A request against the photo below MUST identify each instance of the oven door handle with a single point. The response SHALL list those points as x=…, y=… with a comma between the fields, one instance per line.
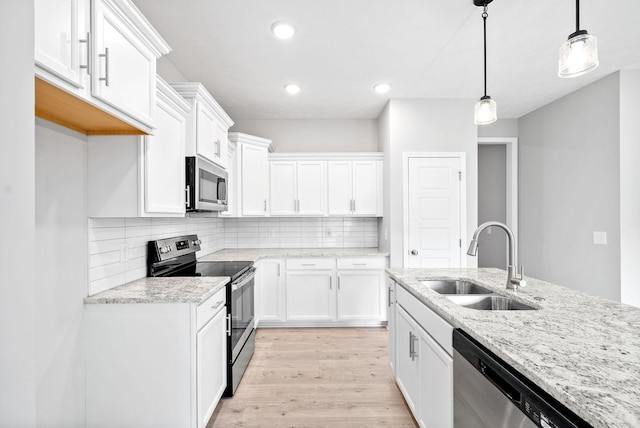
x=244, y=280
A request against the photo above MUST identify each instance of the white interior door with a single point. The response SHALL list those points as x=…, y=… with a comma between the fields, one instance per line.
x=434, y=212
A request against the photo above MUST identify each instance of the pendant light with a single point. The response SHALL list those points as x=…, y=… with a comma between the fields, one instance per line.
x=486, y=109
x=579, y=54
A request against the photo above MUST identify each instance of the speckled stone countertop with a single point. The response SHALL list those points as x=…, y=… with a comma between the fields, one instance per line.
x=162, y=290
x=255, y=254
x=581, y=349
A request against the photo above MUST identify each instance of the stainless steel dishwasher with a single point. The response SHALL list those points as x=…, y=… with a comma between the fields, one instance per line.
x=488, y=393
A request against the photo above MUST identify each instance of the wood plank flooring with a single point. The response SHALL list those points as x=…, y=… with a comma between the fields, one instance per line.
x=316, y=377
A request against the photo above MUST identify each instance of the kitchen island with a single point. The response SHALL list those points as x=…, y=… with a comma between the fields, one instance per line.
x=582, y=350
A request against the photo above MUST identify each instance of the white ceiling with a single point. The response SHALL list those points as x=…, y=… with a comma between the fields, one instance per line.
x=424, y=48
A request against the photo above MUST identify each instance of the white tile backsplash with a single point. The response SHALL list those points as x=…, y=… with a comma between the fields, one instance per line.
x=118, y=246
x=296, y=232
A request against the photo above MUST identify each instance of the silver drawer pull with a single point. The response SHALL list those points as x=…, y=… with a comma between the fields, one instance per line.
x=217, y=305
x=308, y=264
x=358, y=264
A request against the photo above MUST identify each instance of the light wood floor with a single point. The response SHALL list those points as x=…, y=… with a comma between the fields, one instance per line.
x=312, y=378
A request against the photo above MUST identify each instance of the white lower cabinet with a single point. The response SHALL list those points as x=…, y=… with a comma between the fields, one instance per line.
x=307, y=292
x=155, y=365
x=310, y=296
x=423, y=361
x=270, y=298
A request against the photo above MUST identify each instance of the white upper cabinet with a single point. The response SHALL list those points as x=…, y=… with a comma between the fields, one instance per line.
x=207, y=133
x=61, y=29
x=252, y=174
x=297, y=188
x=355, y=188
x=132, y=176
x=103, y=52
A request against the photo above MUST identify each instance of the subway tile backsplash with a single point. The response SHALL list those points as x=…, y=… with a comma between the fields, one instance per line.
x=118, y=246
x=296, y=232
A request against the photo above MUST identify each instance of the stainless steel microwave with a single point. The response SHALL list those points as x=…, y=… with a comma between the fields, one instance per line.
x=206, y=185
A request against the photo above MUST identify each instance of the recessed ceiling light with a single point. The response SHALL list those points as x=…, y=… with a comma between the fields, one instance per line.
x=382, y=88
x=283, y=30
x=292, y=88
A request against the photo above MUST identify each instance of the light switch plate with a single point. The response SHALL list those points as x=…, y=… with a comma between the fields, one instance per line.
x=600, y=238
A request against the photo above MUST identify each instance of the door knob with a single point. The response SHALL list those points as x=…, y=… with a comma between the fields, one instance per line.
x=414, y=252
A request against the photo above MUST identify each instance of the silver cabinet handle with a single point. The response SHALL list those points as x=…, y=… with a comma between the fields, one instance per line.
x=278, y=270
x=265, y=205
x=354, y=205
x=105, y=55
x=358, y=264
x=308, y=264
x=411, y=345
x=188, y=201
x=87, y=66
x=217, y=305
x=330, y=282
x=414, y=252
x=338, y=283
x=389, y=296
x=413, y=338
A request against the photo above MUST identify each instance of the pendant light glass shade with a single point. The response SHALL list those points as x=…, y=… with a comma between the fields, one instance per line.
x=578, y=55
x=486, y=111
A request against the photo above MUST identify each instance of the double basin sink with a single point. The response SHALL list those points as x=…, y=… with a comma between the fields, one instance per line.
x=473, y=296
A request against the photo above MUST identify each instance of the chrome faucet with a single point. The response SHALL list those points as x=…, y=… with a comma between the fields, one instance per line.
x=513, y=281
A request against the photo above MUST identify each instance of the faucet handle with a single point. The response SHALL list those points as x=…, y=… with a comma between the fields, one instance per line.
x=521, y=281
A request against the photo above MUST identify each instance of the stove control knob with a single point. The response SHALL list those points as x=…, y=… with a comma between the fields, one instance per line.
x=165, y=249
x=196, y=242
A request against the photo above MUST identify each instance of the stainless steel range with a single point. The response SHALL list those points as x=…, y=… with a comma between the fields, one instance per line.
x=177, y=257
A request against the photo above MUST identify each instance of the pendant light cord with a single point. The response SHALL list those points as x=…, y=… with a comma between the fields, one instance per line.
x=484, y=19
x=577, y=15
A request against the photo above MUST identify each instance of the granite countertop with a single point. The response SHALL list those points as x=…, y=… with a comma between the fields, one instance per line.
x=162, y=290
x=583, y=350
x=255, y=254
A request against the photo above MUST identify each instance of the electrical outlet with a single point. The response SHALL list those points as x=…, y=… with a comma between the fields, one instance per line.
x=600, y=238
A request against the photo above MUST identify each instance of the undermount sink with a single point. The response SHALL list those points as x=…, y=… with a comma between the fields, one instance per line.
x=451, y=286
x=489, y=303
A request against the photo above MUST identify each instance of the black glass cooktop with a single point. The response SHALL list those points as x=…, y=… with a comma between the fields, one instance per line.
x=231, y=269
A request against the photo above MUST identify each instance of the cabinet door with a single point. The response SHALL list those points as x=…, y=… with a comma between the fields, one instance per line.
x=59, y=27
x=124, y=68
x=222, y=144
x=310, y=296
x=311, y=180
x=407, y=362
x=365, y=188
x=339, y=192
x=436, y=396
x=206, y=133
x=283, y=190
x=360, y=295
x=164, y=177
x=271, y=290
x=254, y=179
x=391, y=323
x=211, y=370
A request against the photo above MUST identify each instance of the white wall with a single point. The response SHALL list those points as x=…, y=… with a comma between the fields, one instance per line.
x=492, y=204
x=17, y=224
x=629, y=183
x=61, y=274
x=499, y=128
x=356, y=135
x=168, y=71
x=384, y=145
x=570, y=187
x=428, y=126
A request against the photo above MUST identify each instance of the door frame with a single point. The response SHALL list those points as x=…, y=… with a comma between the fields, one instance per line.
x=511, y=144
x=462, y=156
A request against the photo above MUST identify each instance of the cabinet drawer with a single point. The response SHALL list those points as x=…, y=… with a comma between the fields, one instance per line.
x=207, y=309
x=310, y=264
x=437, y=327
x=362, y=263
